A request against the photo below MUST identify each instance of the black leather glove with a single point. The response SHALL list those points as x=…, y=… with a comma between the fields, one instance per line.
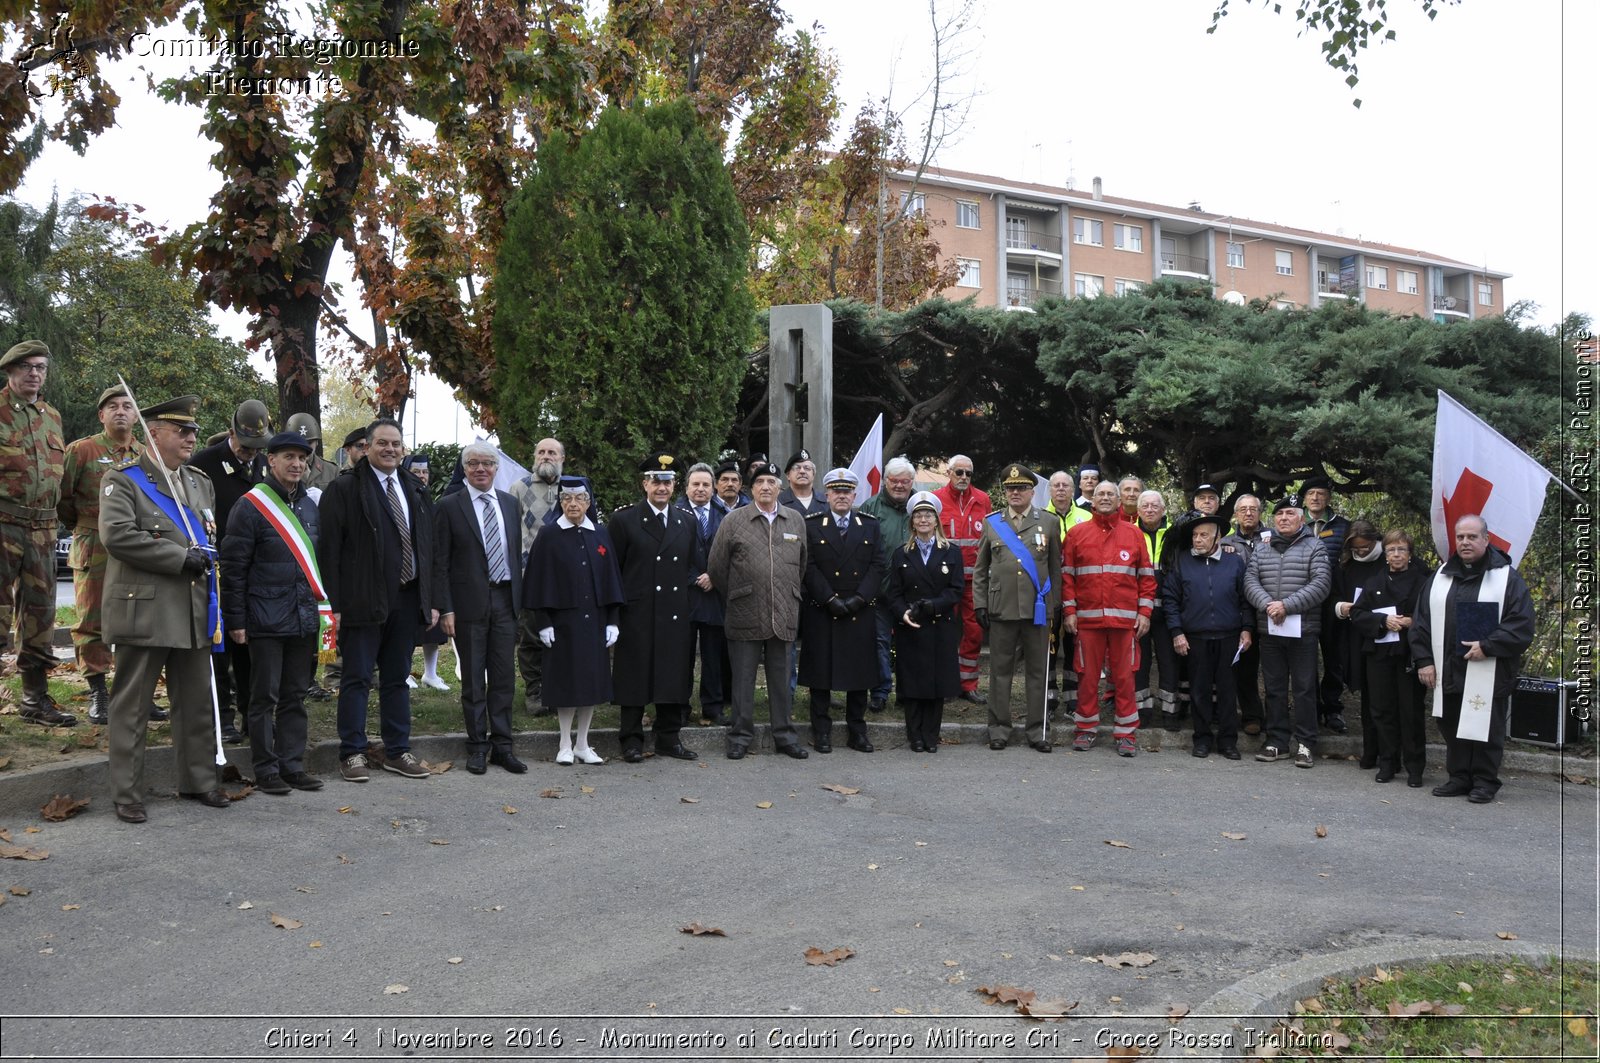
x=922, y=612
x=983, y=618
x=838, y=608
x=195, y=562
x=854, y=604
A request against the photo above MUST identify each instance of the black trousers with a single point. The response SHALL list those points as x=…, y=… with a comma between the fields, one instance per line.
x=1469, y=763
x=1247, y=684
x=668, y=722
x=530, y=661
x=1331, y=640
x=280, y=672
x=855, y=716
x=232, y=669
x=1396, y=703
x=1289, y=665
x=924, y=717
x=487, y=650
x=384, y=649
x=713, y=650
x=1211, y=665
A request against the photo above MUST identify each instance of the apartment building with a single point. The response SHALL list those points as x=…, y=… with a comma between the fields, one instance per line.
x=1017, y=242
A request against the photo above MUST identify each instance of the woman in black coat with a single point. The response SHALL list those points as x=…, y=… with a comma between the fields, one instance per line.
x=925, y=583
x=1381, y=619
x=1359, y=560
x=574, y=588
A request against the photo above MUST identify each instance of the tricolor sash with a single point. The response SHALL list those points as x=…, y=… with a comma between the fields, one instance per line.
x=1008, y=535
x=197, y=528
x=1477, y=689
x=283, y=521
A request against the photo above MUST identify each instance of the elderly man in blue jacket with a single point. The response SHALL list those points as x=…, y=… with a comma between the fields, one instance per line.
x=1209, y=620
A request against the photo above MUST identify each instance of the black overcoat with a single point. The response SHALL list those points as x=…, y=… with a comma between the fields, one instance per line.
x=654, y=659
x=840, y=653
x=572, y=584
x=925, y=657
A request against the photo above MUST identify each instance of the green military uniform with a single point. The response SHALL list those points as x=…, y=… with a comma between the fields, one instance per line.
x=32, y=451
x=87, y=462
x=319, y=473
x=157, y=616
x=1003, y=587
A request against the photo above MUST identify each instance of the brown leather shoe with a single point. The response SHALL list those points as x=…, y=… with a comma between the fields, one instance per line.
x=132, y=812
x=211, y=798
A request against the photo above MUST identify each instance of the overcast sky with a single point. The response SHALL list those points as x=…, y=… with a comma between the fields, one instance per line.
x=1476, y=138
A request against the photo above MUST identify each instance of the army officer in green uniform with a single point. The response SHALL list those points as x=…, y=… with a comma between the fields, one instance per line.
x=160, y=608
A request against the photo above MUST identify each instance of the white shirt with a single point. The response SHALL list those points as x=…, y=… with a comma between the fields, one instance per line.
x=477, y=509
x=399, y=491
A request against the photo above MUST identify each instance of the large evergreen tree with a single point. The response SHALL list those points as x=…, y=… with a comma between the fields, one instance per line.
x=622, y=314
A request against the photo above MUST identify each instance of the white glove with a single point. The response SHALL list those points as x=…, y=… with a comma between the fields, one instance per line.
x=612, y=631
x=547, y=635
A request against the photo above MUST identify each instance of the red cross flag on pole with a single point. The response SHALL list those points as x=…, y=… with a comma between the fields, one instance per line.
x=868, y=463
x=1478, y=470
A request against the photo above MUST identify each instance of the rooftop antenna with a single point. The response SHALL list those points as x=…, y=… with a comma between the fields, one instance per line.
x=1072, y=177
x=1338, y=217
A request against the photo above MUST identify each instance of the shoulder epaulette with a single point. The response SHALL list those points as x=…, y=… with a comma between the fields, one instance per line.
x=127, y=463
x=816, y=513
x=869, y=516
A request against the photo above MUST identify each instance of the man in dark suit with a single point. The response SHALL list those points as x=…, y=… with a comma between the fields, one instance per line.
x=235, y=465
x=376, y=557
x=838, y=633
x=478, y=569
x=654, y=658
x=705, y=608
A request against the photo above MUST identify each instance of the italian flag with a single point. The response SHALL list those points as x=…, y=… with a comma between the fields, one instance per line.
x=288, y=526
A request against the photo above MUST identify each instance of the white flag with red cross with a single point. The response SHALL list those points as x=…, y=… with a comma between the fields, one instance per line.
x=868, y=463
x=1476, y=470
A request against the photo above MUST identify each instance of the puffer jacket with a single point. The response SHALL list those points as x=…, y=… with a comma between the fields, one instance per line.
x=263, y=590
x=1293, y=570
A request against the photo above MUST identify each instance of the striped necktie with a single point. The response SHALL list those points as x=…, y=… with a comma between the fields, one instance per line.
x=705, y=521
x=492, y=544
x=408, y=561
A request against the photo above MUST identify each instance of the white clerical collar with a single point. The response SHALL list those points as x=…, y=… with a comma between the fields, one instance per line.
x=563, y=522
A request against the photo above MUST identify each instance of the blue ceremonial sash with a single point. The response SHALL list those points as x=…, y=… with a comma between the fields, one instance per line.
x=1008, y=535
x=169, y=505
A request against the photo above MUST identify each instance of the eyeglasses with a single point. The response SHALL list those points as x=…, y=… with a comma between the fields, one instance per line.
x=960, y=472
x=477, y=463
x=33, y=367
x=186, y=433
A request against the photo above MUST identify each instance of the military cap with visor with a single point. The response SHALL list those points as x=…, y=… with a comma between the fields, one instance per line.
x=659, y=466
x=179, y=411
x=1019, y=475
x=841, y=480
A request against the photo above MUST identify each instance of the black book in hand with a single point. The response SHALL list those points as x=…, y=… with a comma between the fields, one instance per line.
x=1476, y=621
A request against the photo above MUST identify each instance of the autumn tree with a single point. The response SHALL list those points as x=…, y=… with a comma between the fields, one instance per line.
x=621, y=312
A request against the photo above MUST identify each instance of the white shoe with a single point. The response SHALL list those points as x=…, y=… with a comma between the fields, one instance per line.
x=588, y=755
x=564, y=757
x=411, y=681
x=435, y=682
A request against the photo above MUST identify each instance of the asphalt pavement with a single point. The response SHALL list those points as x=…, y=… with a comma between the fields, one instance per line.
x=410, y=919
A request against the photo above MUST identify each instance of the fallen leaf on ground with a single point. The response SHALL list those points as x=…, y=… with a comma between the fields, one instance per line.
x=1398, y=1010
x=952, y=963
x=245, y=906
x=1128, y=959
x=586, y=789
x=1505, y=935
x=19, y=891
x=1118, y=845
x=241, y=793
x=1465, y=987
x=453, y=961
x=438, y=841
x=921, y=845
x=314, y=945
x=343, y=859
x=1006, y=994
x=439, y=769
x=1176, y=1012
x=70, y=907
x=511, y=810
x=395, y=990
x=1235, y=836
x=872, y=867
x=345, y=810
x=1046, y=1010
x=305, y=889
x=20, y=852
x=1322, y=832
x=702, y=931
x=1078, y=888
x=846, y=790
x=283, y=922
x=902, y=1011
x=1449, y=1009
x=62, y=806
x=31, y=830
x=5, y=762
x=552, y=792
x=5, y=835
x=1578, y=1027
x=763, y=804
x=831, y=958
x=689, y=800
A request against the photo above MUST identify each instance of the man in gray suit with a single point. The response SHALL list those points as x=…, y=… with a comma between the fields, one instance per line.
x=758, y=563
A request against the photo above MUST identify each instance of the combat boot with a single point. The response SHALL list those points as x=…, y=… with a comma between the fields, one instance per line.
x=37, y=704
x=99, y=700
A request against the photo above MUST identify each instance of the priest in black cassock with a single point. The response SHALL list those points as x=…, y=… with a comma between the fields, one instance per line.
x=575, y=590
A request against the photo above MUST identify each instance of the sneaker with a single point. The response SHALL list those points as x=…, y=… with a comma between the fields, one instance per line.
x=1269, y=754
x=354, y=768
x=1083, y=740
x=1302, y=757
x=406, y=764
x=1126, y=747
x=436, y=683
x=588, y=756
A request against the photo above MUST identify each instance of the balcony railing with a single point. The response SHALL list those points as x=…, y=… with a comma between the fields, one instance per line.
x=1031, y=241
x=1020, y=295
x=1172, y=262
x=1456, y=304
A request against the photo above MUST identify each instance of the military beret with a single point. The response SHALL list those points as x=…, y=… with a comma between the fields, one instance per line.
x=179, y=411
x=1288, y=501
x=1204, y=489
x=755, y=459
x=659, y=466
x=765, y=468
x=252, y=424
x=357, y=435
x=288, y=441
x=1018, y=475
x=729, y=466
x=796, y=458
x=841, y=480
x=112, y=392
x=25, y=349
x=925, y=500
x=1317, y=480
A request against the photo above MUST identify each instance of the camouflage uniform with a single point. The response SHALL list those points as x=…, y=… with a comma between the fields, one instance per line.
x=87, y=461
x=32, y=452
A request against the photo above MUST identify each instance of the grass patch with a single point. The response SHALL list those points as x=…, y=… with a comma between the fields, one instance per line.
x=66, y=616
x=1465, y=1009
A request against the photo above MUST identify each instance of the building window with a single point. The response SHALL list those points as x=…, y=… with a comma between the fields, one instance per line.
x=1017, y=233
x=1123, y=287
x=1485, y=293
x=1128, y=237
x=1085, y=284
x=966, y=215
x=911, y=205
x=1285, y=262
x=1088, y=231
x=1406, y=280
x=1236, y=256
x=1284, y=304
x=1019, y=289
x=1378, y=277
x=969, y=273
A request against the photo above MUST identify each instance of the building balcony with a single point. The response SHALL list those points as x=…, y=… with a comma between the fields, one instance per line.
x=1452, y=305
x=1175, y=263
x=1024, y=296
x=1033, y=248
